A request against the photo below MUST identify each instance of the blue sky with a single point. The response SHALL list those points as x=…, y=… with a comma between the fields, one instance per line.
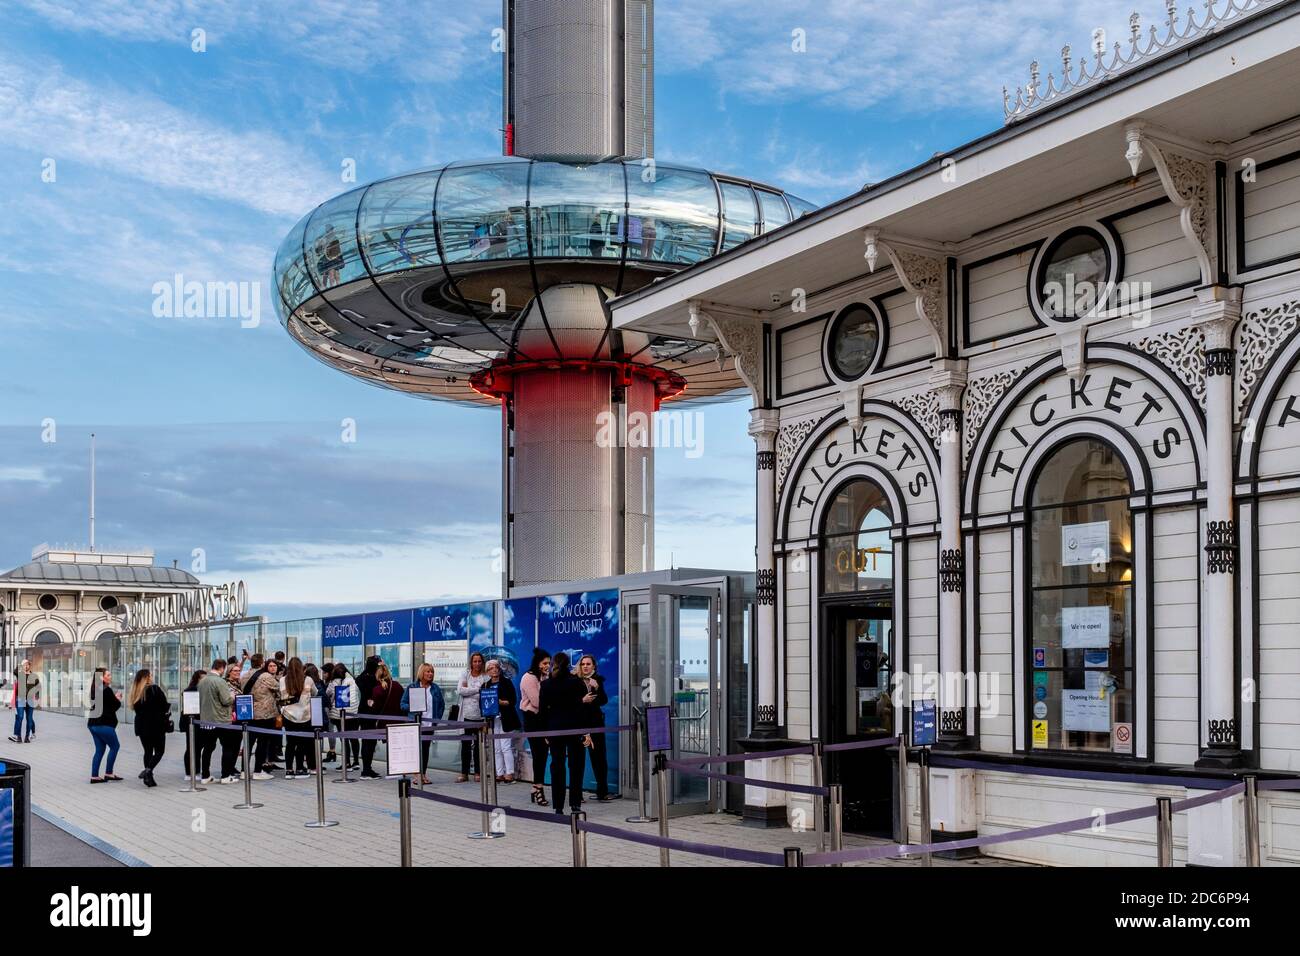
x=166, y=160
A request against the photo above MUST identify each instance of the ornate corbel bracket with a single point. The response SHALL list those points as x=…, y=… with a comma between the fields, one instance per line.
x=740, y=338
x=921, y=275
x=1186, y=172
x=1073, y=342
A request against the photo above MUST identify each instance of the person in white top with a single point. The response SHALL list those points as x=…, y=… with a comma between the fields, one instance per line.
x=341, y=678
x=467, y=688
x=296, y=690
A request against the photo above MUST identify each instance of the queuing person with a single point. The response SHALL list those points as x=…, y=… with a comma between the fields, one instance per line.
x=184, y=725
x=152, y=715
x=562, y=708
x=216, y=701
x=296, y=691
x=264, y=686
x=434, y=707
x=467, y=688
x=593, y=716
x=506, y=721
x=351, y=746
x=27, y=697
x=104, y=704
x=276, y=746
x=387, y=698
x=530, y=690
x=366, y=685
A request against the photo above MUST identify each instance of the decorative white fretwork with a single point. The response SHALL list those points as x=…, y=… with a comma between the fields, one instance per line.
x=1187, y=176
x=1086, y=74
x=982, y=394
x=1183, y=353
x=921, y=275
x=1259, y=336
x=742, y=339
x=924, y=407
x=788, y=441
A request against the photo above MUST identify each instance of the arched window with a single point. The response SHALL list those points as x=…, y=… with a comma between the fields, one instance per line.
x=856, y=550
x=1081, y=563
x=47, y=638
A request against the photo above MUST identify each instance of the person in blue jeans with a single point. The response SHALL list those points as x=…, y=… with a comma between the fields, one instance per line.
x=27, y=694
x=102, y=721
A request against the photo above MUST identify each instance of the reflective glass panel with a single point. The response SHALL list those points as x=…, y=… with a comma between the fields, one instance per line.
x=741, y=214
x=577, y=211
x=331, y=243
x=672, y=215
x=775, y=214
x=397, y=230
x=290, y=271
x=481, y=214
x=1075, y=273
x=857, y=553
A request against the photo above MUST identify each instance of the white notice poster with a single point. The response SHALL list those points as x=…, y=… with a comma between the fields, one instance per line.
x=1087, y=543
x=190, y=702
x=404, y=749
x=1085, y=626
x=417, y=700
x=1085, y=710
x=318, y=712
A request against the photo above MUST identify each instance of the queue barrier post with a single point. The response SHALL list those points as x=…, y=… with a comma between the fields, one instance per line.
x=661, y=783
x=1164, y=831
x=320, y=820
x=404, y=808
x=640, y=775
x=793, y=856
x=1252, y=820
x=485, y=831
x=193, y=786
x=343, y=741
x=837, y=819
x=924, y=767
x=248, y=803
x=579, y=839
x=901, y=836
x=819, y=781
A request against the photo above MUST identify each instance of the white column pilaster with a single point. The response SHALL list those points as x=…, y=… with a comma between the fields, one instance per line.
x=763, y=425
x=949, y=383
x=1217, y=314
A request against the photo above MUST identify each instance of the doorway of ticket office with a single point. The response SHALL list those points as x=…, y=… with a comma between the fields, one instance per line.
x=671, y=649
x=857, y=649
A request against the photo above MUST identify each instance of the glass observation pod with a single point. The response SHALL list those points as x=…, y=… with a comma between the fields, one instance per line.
x=420, y=281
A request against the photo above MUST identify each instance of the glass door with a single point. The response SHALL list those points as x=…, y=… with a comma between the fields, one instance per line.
x=684, y=674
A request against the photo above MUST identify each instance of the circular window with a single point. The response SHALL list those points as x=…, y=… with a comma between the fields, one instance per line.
x=107, y=602
x=48, y=602
x=1074, y=275
x=854, y=341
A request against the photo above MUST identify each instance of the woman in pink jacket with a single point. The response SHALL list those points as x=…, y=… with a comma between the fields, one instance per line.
x=530, y=692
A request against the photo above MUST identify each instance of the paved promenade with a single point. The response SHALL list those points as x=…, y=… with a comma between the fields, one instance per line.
x=161, y=827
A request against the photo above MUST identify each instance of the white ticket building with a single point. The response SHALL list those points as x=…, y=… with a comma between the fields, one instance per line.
x=1028, y=446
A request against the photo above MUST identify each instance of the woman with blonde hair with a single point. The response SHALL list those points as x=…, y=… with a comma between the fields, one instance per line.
x=152, y=711
x=434, y=706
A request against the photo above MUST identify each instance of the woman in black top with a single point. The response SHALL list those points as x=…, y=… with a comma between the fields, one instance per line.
x=562, y=708
x=184, y=725
x=593, y=716
x=151, y=707
x=102, y=721
x=369, y=692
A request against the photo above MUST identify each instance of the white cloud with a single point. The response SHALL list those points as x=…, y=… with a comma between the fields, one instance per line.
x=145, y=138
x=920, y=54
x=431, y=42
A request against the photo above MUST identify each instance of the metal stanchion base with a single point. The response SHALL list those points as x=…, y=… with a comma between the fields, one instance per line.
x=247, y=806
x=641, y=820
x=485, y=836
x=348, y=780
x=191, y=789
x=317, y=824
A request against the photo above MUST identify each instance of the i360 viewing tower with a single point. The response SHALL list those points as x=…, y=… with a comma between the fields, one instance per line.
x=485, y=282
